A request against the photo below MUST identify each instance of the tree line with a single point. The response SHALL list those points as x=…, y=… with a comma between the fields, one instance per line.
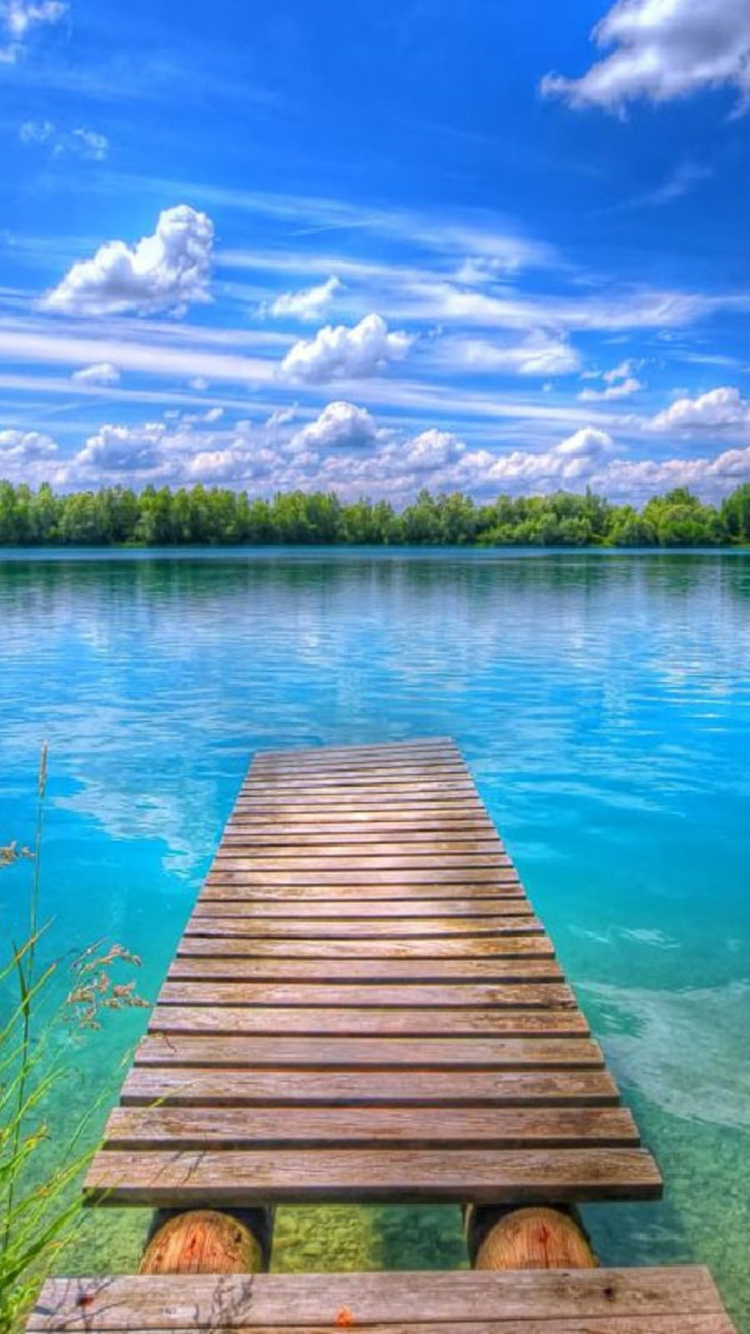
x=200, y=516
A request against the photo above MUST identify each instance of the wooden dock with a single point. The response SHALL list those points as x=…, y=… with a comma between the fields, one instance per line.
x=364, y=1007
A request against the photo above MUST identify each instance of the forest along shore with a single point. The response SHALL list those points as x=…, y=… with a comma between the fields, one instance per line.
x=117, y=516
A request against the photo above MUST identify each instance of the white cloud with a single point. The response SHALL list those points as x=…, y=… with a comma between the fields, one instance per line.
x=26, y=445
x=162, y=272
x=19, y=17
x=621, y=389
x=36, y=131
x=346, y=353
x=345, y=450
x=613, y=310
x=87, y=144
x=30, y=456
x=339, y=426
x=679, y=182
x=621, y=372
x=101, y=372
x=309, y=304
x=539, y=354
x=91, y=144
x=719, y=409
x=663, y=49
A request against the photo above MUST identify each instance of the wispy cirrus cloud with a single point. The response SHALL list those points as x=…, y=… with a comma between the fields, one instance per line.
x=308, y=304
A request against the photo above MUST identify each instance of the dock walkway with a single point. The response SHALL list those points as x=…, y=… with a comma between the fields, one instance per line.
x=364, y=1007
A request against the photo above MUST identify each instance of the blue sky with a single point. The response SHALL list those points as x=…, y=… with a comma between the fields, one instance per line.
x=496, y=247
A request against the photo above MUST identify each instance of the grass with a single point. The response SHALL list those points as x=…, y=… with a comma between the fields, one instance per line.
x=40, y=1204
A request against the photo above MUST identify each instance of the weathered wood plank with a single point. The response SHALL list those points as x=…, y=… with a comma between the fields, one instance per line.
x=481, y=875
x=457, y=802
x=446, y=771
x=244, y=1178
x=331, y=1053
x=324, y=760
x=317, y=1021
x=464, y=949
x=205, y=923
x=232, y=903
x=314, y=755
x=185, y=1087
x=449, y=996
x=342, y=858
x=392, y=823
x=413, y=843
x=230, y=885
x=548, y=1127
x=648, y=1301
x=406, y=973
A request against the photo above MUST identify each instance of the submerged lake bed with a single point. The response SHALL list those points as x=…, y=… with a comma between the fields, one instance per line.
x=602, y=701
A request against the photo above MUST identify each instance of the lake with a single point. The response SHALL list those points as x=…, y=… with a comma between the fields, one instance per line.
x=602, y=701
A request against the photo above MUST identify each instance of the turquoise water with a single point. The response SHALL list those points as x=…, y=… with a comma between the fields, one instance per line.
x=603, y=702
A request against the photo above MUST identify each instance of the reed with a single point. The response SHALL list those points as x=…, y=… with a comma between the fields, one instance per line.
x=39, y=1203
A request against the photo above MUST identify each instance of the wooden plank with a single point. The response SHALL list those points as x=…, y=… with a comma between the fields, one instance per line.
x=464, y=949
x=449, y=996
x=597, y=1301
x=314, y=755
x=419, y=801
x=481, y=875
x=342, y=858
x=230, y=886
x=682, y=1324
x=408, y=973
x=414, y=843
x=392, y=823
x=268, y=1020
x=246, y=1178
x=205, y=923
x=183, y=1087
x=351, y=1127
x=332, y=1053
x=445, y=771
x=324, y=760
x=537, y=1302
x=220, y=904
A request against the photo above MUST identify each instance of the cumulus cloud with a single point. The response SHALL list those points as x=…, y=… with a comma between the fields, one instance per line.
x=343, y=353
x=339, y=426
x=163, y=272
x=663, y=49
x=30, y=456
x=345, y=450
x=719, y=409
x=87, y=144
x=19, y=17
x=102, y=372
x=309, y=304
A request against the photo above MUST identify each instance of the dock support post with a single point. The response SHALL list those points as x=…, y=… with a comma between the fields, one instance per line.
x=533, y=1238
x=207, y=1241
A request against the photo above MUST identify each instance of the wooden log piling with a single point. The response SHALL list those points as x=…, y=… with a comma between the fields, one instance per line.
x=207, y=1241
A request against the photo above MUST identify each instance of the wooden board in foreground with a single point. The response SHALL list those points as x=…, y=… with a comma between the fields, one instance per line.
x=682, y=1300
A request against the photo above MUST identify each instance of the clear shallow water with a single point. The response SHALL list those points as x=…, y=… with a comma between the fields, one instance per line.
x=603, y=702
